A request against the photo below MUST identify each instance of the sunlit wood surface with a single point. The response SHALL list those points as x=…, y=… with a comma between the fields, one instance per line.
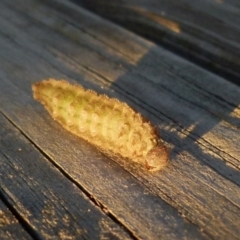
x=54, y=185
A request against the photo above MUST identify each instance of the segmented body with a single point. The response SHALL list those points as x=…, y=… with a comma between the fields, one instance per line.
x=105, y=122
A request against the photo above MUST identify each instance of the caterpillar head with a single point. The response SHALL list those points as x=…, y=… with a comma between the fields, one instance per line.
x=157, y=157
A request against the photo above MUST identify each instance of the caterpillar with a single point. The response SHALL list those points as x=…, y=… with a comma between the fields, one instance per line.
x=110, y=125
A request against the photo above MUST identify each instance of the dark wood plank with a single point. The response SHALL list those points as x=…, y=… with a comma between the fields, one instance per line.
x=141, y=204
x=50, y=204
x=203, y=31
x=114, y=188
x=10, y=228
x=234, y=3
x=214, y=101
x=199, y=119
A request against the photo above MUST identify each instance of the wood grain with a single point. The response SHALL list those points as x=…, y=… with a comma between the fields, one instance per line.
x=50, y=204
x=206, y=32
x=198, y=113
x=10, y=228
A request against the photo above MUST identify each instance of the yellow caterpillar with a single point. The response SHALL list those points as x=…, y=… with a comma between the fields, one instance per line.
x=105, y=122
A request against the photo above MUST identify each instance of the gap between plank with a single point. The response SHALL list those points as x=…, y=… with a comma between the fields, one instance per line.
x=26, y=226
x=97, y=203
x=172, y=46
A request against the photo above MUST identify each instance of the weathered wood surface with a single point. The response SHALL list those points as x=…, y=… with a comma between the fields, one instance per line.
x=204, y=31
x=10, y=227
x=57, y=175
x=49, y=204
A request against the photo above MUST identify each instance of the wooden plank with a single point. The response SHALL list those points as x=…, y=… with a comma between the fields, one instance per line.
x=140, y=203
x=125, y=198
x=234, y=3
x=197, y=177
x=10, y=228
x=50, y=205
x=211, y=104
x=206, y=32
